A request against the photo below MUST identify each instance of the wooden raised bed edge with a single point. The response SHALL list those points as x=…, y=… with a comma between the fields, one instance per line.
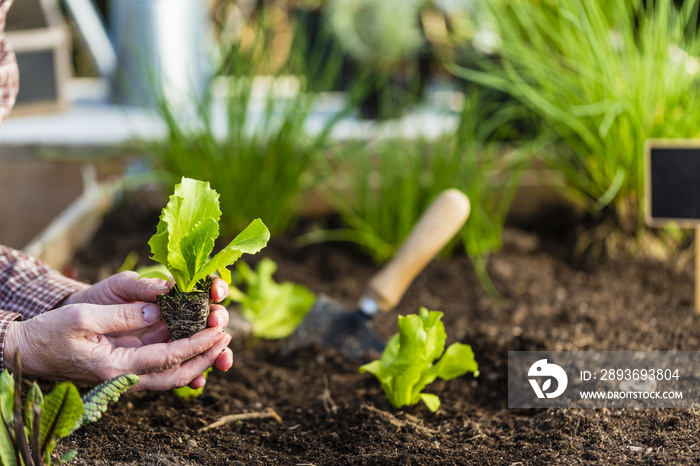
x=57, y=243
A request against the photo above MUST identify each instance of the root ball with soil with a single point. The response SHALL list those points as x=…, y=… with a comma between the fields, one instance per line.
x=186, y=313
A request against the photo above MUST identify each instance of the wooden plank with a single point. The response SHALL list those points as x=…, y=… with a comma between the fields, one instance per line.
x=43, y=57
x=32, y=192
x=29, y=40
x=58, y=243
x=29, y=14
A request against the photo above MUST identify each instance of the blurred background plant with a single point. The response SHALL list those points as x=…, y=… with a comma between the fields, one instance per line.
x=248, y=134
x=594, y=78
x=576, y=82
x=381, y=188
x=604, y=76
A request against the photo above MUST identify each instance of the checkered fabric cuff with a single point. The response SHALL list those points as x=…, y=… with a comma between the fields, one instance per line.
x=41, y=294
x=28, y=287
x=5, y=319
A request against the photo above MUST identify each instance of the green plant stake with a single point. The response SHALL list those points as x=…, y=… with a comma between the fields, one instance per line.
x=183, y=241
x=414, y=358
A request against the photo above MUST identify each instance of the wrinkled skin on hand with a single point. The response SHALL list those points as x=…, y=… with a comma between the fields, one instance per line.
x=114, y=327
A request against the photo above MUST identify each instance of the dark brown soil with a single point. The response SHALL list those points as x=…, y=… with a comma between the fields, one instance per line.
x=330, y=414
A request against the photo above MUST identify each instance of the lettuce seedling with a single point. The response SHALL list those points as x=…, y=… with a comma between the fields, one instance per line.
x=183, y=242
x=410, y=360
x=274, y=309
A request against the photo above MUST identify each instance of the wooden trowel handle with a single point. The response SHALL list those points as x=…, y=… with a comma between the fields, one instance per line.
x=436, y=227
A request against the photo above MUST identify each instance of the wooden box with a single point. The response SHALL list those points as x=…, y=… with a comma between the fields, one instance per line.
x=41, y=41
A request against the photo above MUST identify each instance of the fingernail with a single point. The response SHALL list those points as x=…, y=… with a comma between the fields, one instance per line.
x=219, y=321
x=160, y=289
x=151, y=313
x=220, y=290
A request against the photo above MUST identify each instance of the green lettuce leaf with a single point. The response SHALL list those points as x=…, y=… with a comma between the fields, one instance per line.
x=416, y=356
x=431, y=401
x=274, y=309
x=186, y=392
x=186, y=233
x=249, y=241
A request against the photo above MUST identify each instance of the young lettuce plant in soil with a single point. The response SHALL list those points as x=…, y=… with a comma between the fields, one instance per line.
x=416, y=356
x=274, y=309
x=183, y=242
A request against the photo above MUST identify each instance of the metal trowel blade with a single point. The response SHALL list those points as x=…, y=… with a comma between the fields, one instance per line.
x=331, y=325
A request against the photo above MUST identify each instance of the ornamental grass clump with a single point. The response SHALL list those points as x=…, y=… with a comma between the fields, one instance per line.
x=604, y=75
x=380, y=189
x=183, y=242
x=250, y=135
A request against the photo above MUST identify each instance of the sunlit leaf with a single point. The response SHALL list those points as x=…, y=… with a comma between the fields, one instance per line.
x=186, y=234
x=414, y=358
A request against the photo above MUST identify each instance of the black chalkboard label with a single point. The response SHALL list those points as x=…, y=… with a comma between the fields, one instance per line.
x=672, y=178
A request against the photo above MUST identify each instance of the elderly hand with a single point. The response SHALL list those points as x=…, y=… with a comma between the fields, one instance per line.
x=112, y=328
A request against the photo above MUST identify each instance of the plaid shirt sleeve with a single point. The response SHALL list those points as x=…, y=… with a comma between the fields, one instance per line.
x=28, y=287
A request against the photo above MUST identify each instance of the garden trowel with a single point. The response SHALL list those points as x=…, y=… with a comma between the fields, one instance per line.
x=330, y=325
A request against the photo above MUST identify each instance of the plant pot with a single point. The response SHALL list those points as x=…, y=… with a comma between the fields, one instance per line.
x=186, y=313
